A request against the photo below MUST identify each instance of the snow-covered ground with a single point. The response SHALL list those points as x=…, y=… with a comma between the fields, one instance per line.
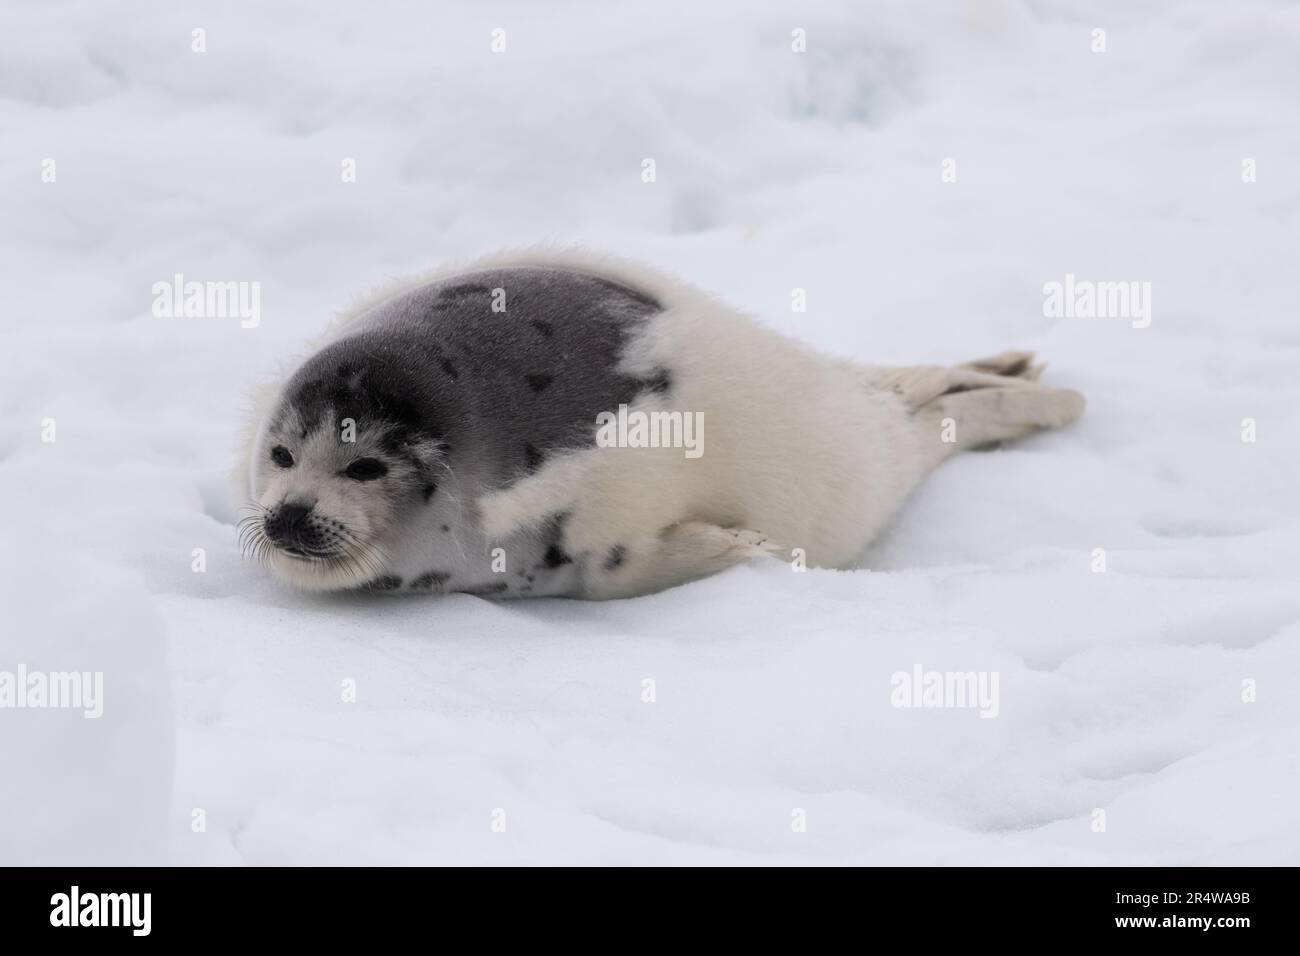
x=1164, y=691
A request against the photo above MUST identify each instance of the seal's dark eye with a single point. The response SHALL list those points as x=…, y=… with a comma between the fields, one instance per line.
x=366, y=469
x=280, y=455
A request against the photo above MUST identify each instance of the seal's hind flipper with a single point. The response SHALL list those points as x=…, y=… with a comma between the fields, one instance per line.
x=1012, y=363
x=978, y=403
x=988, y=414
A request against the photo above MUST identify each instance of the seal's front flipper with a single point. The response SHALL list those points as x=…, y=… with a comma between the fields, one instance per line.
x=678, y=554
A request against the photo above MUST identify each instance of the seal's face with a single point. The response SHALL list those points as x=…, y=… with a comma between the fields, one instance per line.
x=333, y=471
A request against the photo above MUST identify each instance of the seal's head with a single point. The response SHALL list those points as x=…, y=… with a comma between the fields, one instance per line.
x=346, y=452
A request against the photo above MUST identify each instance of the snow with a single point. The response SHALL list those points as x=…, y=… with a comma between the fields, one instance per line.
x=1120, y=691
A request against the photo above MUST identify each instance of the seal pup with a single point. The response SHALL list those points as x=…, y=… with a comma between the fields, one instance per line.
x=554, y=423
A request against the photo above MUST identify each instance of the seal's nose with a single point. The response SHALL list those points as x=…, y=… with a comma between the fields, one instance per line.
x=286, y=524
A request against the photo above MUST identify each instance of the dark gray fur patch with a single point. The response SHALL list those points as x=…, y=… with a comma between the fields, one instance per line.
x=614, y=558
x=389, y=582
x=391, y=369
x=462, y=290
x=430, y=579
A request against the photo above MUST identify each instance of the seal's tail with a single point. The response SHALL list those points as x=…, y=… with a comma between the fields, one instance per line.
x=982, y=402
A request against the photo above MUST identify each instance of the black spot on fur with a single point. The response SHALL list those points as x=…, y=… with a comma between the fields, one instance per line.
x=544, y=327
x=389, y=582
x=552, y=535
x=615, y=557
x=532, y=458
x=449, y=367
x=660, y=381
x=485, y=589
x=555, y=557
x=446, y=527
x=539, y=381
x=430, y=579
x=430, y=489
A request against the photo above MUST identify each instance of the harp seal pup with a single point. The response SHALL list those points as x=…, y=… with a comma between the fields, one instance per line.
x=473, y=430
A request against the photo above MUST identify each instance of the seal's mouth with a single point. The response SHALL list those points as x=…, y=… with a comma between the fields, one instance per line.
x=304, y=554
x=342, y=559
